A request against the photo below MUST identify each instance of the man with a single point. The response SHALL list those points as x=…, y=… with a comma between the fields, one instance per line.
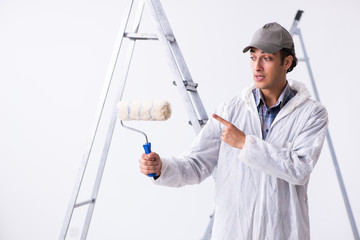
x=264, y=143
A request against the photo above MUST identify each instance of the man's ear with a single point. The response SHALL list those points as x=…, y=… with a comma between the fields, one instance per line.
x=288, y=61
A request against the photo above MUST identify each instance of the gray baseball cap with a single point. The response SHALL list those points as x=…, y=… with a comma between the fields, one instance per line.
x=272, y=37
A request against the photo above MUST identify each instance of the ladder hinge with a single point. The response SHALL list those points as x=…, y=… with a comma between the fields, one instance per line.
x=170, y=38
x=201, y=122
x=190, y=86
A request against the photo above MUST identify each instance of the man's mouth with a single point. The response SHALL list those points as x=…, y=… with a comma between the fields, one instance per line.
x=259, y=77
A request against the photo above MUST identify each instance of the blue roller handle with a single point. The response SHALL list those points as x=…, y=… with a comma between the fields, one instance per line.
x=147, y=148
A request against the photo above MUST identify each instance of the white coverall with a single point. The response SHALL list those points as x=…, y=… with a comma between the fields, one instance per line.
x=261, y=190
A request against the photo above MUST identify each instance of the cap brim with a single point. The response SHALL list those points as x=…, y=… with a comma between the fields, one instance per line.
x=263, y=47
x=247, y=49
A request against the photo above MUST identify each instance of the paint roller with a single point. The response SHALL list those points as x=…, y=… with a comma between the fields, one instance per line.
x=156, y=110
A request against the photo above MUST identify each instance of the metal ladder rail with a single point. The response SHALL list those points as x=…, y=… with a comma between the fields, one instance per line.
x=78, y=182
x=185, y=86
x=182, y=76
x=296, y=31
x=112, y=123
x=178, y=66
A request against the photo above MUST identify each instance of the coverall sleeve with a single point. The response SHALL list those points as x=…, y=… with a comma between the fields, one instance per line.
x=292, y=163
x=198, y=162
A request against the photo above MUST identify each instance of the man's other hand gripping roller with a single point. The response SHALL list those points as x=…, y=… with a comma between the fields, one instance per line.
x=156, y=110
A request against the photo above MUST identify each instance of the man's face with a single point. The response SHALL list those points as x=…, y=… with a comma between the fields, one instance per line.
x=267, y=69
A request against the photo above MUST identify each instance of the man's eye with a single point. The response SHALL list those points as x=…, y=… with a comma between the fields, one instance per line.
x=267, y=59
x=252, y=58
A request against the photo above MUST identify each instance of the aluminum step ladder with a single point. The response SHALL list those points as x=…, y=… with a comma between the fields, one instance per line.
x=186, y=86
x=295, y=31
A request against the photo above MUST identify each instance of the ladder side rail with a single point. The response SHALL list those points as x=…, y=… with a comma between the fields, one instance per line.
x=181, y=64
x=342, y=187
x=101, y=168
x=165, y=28
x=180, y=72
x=294, y=28
x=94, y=129
x=208, y=232
x=296, y=22
x=179, y=68
x=297, y=31
x=307, y=61
x=123, y=77
x=178, y=65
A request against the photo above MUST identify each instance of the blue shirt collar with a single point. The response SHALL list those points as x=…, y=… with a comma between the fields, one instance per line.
x=259, y=98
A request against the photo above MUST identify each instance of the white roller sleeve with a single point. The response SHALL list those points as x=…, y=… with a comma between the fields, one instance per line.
x=155, y=110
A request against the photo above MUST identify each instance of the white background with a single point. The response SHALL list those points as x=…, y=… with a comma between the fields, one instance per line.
x=53, y=61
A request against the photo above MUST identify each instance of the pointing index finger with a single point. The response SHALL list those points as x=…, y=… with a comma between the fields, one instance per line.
x=220, y=119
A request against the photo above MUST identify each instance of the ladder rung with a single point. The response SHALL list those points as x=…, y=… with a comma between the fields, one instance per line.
x=190, y=86
x=146, y=36
x=141, y=36
x=303, y=59
x=84, y=203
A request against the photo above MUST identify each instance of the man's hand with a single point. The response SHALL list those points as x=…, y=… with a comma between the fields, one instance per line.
x=150, y=163
x=231, y=134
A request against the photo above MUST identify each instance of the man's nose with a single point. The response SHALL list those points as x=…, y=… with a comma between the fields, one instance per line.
x=258, y=65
